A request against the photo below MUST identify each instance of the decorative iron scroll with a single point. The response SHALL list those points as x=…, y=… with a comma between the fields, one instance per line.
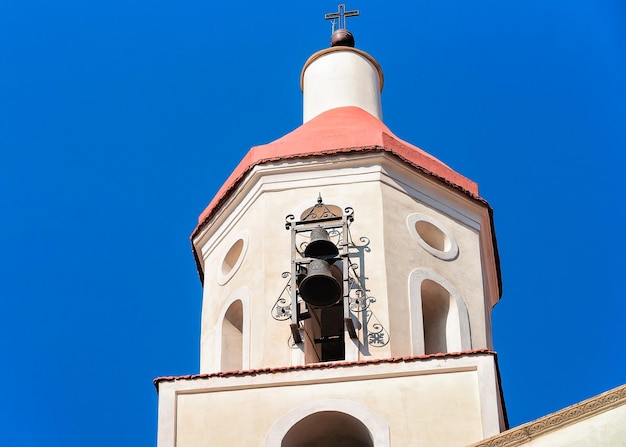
x=352, y=260
x=360, y=301
x=319, y=211
x=377, y=335
x=282, y=307
x=289, y=220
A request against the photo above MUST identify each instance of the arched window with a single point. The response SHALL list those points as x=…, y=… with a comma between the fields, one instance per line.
x=232, y=337
x=439, y=318
x=328, y=429
x=329, y=423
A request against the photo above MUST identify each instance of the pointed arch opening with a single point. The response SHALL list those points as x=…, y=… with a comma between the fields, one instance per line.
x=232, y=338
x=439, y=317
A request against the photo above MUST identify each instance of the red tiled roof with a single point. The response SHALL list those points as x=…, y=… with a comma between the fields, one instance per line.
x=338, y=131
x=252, y=372
x=343, y=130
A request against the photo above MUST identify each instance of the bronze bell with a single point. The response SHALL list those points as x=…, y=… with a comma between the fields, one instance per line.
x=320, y=245
x=322, y=286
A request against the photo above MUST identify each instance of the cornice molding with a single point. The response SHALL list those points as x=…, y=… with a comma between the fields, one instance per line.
x=562, y=418
x=390, y=169
x=340, y=365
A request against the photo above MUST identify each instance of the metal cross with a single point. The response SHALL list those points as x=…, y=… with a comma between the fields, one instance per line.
x=342, y=15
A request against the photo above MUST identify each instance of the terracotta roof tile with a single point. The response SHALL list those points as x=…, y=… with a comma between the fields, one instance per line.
x=337, y=131
x=329, y=365
x=344, y=130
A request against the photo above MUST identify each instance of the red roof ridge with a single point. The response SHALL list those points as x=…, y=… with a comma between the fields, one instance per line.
x=336, y=131
x=270, y=370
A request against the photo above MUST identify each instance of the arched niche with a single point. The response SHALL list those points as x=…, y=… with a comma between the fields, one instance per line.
x=329, y=423
x=234, y=340
x=439, y=317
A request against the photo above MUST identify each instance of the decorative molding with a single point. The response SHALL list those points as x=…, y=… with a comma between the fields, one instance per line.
x=449, y=253
x=257, y=374
x=223, y=277
x=374, y=164
x=568, y=416
x=377, y=427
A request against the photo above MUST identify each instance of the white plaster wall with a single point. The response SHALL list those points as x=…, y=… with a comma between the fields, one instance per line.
x=261, y=215
x=440, y=410
x=341, y=77
x=366, y=183
x=403, y=254
x=443, y=402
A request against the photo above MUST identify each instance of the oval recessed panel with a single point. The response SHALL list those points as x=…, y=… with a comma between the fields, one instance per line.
x=232, y=259
x=433, y=236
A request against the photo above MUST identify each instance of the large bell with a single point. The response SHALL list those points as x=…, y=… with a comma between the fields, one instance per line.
x=322, y=285
x=320, y=244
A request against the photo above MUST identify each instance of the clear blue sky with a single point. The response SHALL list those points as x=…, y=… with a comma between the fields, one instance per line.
x=119, y=120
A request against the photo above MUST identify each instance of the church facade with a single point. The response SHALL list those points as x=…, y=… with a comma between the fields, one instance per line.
x=348, y=282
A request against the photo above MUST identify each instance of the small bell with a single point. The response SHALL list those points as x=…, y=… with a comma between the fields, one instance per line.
x=320, y=245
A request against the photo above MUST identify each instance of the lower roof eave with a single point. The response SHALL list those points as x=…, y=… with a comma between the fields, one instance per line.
x=325, y=365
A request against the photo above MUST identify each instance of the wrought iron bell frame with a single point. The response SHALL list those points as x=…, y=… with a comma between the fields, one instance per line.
x=328, y=221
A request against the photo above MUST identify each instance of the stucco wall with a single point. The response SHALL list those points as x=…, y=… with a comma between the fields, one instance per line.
x=432, y=402
x=377, y=187
x=403, y=254
x=268, y=255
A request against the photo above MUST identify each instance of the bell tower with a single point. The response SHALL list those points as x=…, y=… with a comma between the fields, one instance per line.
x=348, y=281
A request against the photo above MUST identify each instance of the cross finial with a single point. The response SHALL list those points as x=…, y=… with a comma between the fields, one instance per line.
x=342, y=15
